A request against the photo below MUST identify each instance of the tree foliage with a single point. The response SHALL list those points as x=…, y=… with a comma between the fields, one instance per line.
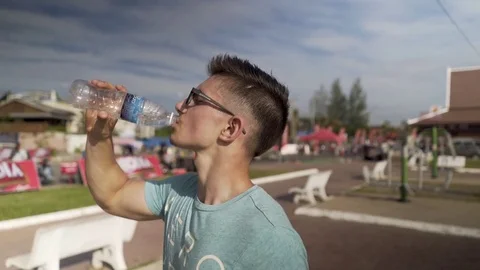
x=358, y=116
x=337, y=110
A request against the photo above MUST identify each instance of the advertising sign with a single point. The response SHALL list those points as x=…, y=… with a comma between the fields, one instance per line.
x=18, y=176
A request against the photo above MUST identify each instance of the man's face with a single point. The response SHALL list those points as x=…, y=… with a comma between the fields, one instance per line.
x=199, y=123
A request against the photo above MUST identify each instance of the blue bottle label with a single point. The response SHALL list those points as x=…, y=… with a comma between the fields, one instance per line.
x=132, y=108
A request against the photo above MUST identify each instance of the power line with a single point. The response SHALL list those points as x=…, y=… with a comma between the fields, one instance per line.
x=458, y=27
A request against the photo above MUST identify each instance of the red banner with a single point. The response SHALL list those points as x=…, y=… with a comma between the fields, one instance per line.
x=145, y=167
x=18, y=176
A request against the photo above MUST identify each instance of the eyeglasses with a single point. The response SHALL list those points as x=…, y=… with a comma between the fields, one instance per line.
x=198, y=93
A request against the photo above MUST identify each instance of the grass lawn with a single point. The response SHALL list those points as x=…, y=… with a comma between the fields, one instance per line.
x=44, y=201
x=63, y=198
x=472, y=163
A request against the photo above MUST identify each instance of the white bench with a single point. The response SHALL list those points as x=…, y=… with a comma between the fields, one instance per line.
x=102, y=234
x=378, y=172
x=315, y=187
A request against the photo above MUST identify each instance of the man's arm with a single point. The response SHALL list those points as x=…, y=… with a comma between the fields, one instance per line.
x=110, y=186
x=107, y=182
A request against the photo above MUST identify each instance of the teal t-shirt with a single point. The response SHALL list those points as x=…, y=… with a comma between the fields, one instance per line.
x=250, y=231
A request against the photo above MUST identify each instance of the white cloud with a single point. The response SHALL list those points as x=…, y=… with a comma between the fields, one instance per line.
x=331, y=41
x=400, y=49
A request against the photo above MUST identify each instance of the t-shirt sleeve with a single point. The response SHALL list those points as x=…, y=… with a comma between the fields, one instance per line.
x=280, y=248
x=157, y=191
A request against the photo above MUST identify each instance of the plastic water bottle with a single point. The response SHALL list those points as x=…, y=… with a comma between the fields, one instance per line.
x=119, y=104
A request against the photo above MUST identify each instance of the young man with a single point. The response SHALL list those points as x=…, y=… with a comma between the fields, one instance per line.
x=216, y=218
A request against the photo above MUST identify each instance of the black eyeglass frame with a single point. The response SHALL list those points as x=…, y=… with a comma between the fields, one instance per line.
x=196, y=91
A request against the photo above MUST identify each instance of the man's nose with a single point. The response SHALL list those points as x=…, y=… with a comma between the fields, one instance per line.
x=180, y=106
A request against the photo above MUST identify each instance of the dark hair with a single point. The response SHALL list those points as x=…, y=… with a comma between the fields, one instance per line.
x=261, y=93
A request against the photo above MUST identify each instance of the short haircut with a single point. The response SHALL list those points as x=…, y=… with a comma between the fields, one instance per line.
x=261, y=93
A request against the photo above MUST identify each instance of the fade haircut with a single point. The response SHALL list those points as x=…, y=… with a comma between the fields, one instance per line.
x=260, y=93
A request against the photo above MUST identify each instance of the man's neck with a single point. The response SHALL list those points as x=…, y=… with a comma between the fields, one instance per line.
x=221, y=177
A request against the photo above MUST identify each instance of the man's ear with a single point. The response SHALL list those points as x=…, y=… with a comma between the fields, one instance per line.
x=233, y=129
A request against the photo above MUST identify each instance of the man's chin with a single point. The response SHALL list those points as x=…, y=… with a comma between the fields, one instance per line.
x=173, y=140
x=177, y=143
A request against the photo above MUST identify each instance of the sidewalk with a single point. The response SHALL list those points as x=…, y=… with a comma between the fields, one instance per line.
x=448, y=212
x=158, y=265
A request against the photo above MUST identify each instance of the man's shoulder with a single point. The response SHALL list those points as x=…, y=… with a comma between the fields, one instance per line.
x=279, y=234
x=279, y=247
x=270, y=211
x=274, y=242
x=179, y=183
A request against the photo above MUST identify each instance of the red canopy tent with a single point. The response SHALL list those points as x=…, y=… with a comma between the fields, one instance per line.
x=322, y=135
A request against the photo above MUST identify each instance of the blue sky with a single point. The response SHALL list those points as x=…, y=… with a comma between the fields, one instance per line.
x=159, y=49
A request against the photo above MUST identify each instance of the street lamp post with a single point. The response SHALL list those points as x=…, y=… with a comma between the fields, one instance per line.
x=404, y=168
x=434, y=152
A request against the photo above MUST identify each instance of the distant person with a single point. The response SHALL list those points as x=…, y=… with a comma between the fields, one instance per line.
x=162, y=151
x=45, y=172
x=19, y=154
x=216, y=219
x=164, y=155
x=128, y=150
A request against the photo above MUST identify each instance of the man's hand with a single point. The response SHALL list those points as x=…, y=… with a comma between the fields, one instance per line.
x=98, y=124
x=108, y=183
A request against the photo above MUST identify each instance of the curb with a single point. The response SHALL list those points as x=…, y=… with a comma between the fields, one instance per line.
x=50, y=217
x=388, y=221
x=91, y=210
x=283, y=176
x=468, y=170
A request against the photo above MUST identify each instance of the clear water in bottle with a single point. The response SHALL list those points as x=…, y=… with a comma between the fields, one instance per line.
x=119, y=104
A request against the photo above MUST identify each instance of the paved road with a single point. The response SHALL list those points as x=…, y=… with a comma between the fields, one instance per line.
x=345, y=245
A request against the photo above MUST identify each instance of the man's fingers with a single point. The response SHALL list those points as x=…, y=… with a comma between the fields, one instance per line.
x=90, y=114
x=108, y=85
x=102, y=84
x=102, y=115
x=121, y=88
x=100, y=123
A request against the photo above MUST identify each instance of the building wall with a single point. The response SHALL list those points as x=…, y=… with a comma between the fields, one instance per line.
x=465, y=89
x=76, y=122
x=127, y=129
x=15, y=127
x=17, y=107
x=52, y=140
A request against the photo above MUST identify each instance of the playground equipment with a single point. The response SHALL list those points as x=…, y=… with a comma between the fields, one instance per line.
x=449, y=160
x=422, y=154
